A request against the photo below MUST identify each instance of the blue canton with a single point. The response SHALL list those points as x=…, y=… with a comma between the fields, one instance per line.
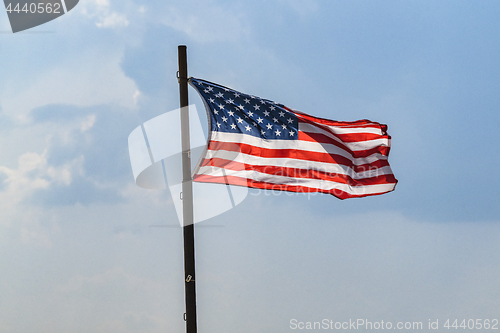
x=234, y=112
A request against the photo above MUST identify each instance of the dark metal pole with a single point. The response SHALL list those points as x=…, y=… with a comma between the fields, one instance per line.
x=187, y=197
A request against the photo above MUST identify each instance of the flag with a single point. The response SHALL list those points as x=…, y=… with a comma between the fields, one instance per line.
x=259, y=143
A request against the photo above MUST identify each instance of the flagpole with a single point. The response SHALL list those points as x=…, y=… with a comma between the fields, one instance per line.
x=187, y=197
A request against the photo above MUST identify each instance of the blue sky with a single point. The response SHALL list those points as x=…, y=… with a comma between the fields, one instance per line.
x=77, y=252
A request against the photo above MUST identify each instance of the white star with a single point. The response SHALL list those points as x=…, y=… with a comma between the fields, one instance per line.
x=263, y=101
x=247, y=101
x=259, y=120
x=275, y=120
x=206, y=91
x=292, y=133
x=256, y=107
x=284, y=126
x=250, y=113
x=218, y=125
x=216, y=112
x=210, y=88
x=269, y=126
x=236, y=94
x=278, y=133
x=221, y=106
x=282, y=114
x=241, y=107
x=230, y=101
x=231, y=113
x=255, y=124
x=266, y=113
x=212, y=100
x=248, y=128
x=290, y=120
x=233, y=126
x=240, y=120
x=220, y=95
x=224, y=119
x=262, y=132
x=272, y=107
x=225, y=89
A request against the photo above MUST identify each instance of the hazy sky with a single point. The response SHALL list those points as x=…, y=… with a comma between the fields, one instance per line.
x=77, y=250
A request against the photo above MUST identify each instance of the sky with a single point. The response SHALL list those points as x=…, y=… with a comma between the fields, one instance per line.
x=79, y=246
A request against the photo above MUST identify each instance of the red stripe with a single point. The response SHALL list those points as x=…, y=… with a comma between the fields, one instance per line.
x=223, y=163
x=299, y=173
x=322, y=138
x=365, y=123
x=345, y=137
x=232, y=180
x=295, y=154
x=305, y=118
x=357, y=137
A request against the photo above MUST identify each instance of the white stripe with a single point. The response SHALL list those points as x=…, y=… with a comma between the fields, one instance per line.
x=330, y=168
x=294, y=144
x=312, y=183
x=354, y=146
x=355, y=130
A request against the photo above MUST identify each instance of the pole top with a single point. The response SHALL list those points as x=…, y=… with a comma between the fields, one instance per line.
x=182, y=73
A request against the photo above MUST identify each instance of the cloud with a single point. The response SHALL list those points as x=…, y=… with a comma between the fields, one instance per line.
x=83, y=160
x=33, y=172
x=104, y=15
x=113, y=20
x=99, y=136
x=90, y=79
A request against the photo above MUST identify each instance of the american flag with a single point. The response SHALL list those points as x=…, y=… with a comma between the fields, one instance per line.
x=259, y=143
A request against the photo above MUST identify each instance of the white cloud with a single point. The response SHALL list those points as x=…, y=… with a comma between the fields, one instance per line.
x=113, y=20
x=92, y=79
x=136, y=96
x=104, y=15
x=34, y=173
x=88, y=123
